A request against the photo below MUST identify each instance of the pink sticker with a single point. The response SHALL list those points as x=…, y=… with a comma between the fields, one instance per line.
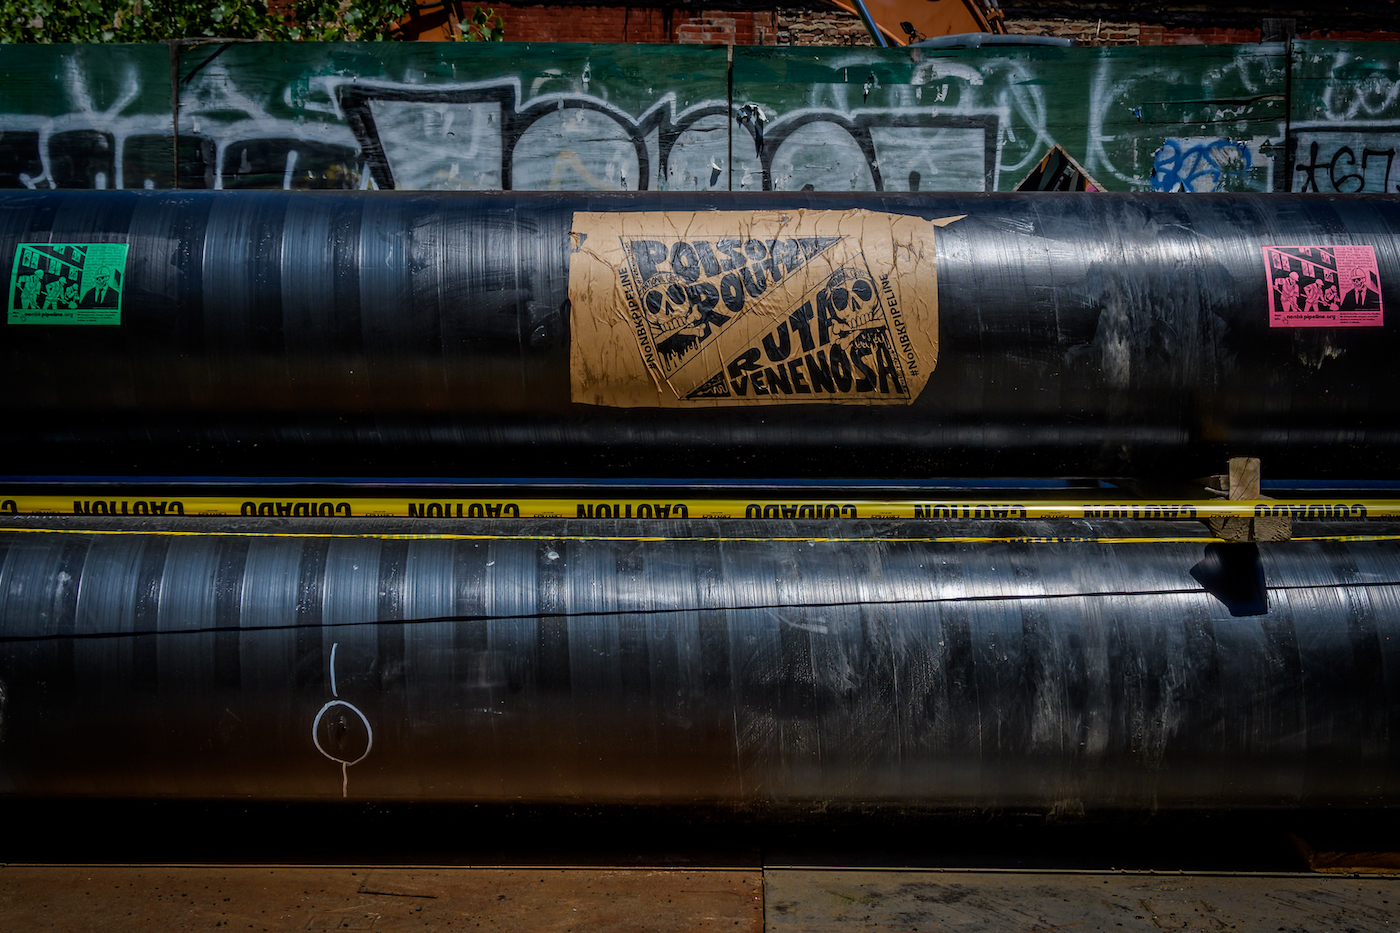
x=1323, y=286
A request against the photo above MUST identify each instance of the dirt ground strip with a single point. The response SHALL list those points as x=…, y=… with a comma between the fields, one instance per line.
x=915, y=901
x=115, y=899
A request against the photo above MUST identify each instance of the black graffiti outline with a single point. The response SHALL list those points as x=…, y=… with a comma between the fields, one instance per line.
x=859, y=125
x=1361, y=133
x=355, y=99
x=355, y=102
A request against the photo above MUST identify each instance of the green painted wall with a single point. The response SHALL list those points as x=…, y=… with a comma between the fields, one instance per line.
x=85, y=116
x=1345, y=117
x=576, y=116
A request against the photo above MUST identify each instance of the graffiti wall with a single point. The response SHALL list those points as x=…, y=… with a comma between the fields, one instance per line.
x=86, y=116
x=444, y=116
x=1183, y=118
x=1345, y=127
x=630, y=117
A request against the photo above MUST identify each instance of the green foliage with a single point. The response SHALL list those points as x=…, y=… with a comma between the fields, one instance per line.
x=481, y=28
x=159, y=20
x=345, y=20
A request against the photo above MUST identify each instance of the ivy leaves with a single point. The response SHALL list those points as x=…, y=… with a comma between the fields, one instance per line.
x=161, y=20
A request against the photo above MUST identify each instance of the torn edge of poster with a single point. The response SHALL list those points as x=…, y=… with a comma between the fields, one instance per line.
x=684, y=309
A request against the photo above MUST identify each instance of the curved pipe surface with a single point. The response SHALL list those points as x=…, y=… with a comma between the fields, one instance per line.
x=754, y=664
x=390, y=334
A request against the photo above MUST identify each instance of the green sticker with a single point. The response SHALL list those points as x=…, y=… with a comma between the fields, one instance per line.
x=67, y=283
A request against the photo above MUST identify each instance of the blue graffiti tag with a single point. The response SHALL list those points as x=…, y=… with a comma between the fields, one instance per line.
x=1201, y=167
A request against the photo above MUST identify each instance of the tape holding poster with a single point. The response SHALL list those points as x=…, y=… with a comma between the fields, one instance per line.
x=1323, y=286
x=680, y=309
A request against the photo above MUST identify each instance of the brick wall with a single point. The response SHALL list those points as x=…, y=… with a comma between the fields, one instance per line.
x=821, y=27
x=1104, y=32
x=1160, y=35
x=541, y=23
x=730, y=27
x=1165, y=35
x=529, y=22
x=1352, y=35
x=1082, y=31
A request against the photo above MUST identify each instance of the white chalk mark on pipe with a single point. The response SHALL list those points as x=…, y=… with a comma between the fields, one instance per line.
x=344, y=763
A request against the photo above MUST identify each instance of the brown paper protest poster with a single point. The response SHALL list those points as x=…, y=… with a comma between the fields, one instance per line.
x=681, y=309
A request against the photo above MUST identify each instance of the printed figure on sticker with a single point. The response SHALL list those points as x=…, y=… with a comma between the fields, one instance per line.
x=1339, y=286
x=67, y=283
x=691, y=287
x=694, y=309
x=105, y=291
x=1362, y=292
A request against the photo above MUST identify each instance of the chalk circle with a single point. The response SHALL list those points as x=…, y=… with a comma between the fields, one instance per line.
x=316, y=727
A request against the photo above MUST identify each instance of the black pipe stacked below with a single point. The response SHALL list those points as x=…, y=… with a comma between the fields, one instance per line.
x=753, y=664
x=383, y=334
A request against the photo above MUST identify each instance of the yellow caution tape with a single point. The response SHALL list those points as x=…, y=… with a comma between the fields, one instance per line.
x=130, y=503
x=867, y=539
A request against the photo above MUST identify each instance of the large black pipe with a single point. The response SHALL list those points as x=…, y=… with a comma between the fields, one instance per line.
x=740, y=664
x=391, y=334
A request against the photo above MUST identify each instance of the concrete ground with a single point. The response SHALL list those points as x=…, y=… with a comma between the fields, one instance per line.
x=167, y=866
x=155, y=899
